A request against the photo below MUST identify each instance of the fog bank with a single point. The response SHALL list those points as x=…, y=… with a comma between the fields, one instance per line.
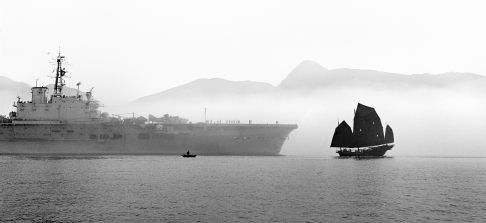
x=426, y=121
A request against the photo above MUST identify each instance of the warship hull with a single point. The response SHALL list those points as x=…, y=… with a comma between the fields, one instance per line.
x=375, y=151
x=73, y=124
x=168, y=139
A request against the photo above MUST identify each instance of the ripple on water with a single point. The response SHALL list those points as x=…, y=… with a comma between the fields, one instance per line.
x=241, y=189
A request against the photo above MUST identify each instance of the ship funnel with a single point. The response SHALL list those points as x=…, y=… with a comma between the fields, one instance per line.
x=77, y=94
x=39, y=95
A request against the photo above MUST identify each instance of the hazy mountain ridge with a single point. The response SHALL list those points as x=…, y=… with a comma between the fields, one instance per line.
x=9, y=91
x=214, y=87
x=309, y=75
x=7, y=84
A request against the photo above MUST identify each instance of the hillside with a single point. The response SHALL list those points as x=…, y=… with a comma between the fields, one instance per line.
x=310, y=76
x=208, y=88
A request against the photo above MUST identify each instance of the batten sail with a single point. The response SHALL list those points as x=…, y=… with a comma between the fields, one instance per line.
x=367, y=128
x=367, y=132
x=389, y=138
x=343, y=136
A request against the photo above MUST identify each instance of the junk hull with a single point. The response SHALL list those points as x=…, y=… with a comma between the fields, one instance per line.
x=375, y=151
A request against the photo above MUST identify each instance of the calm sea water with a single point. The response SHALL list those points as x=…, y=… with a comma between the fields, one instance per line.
x=241, y=189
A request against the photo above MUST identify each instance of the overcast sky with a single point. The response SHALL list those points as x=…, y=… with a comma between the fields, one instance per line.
x=130, y=49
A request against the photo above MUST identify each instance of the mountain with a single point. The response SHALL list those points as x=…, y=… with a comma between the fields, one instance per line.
x=7, y=84
x=309, y=76
x=9, y=90
x=211, y=88
x=308, y=73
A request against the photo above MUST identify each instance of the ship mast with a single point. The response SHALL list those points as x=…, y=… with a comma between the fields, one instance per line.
x=60, y=72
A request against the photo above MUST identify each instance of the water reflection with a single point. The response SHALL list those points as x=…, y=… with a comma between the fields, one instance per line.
x=363, y=157
x=61, y=157
x=366, y=184
x=239, y=189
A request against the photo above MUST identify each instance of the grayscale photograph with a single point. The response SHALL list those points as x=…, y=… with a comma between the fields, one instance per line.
x=242, y=111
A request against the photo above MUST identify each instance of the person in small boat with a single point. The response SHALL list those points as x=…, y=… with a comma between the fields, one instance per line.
x=188, y=152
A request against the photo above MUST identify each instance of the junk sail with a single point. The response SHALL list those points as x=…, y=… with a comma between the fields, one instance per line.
x=343, y=136
x=389, y=134
x=367, y=130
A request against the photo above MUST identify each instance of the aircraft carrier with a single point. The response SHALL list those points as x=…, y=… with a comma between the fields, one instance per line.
x=73, y=124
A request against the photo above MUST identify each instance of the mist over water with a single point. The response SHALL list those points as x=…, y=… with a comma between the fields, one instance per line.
x=426, y=120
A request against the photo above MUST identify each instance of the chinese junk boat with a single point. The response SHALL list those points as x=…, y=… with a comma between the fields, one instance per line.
x=366, y=139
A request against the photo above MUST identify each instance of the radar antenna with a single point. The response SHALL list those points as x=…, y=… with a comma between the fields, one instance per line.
x=60, y=73
x=89, y=94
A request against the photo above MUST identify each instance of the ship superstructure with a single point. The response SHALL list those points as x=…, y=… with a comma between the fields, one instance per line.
x=64, y=124
x=58, y=108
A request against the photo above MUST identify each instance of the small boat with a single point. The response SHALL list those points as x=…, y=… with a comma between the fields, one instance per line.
x=188, y=156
